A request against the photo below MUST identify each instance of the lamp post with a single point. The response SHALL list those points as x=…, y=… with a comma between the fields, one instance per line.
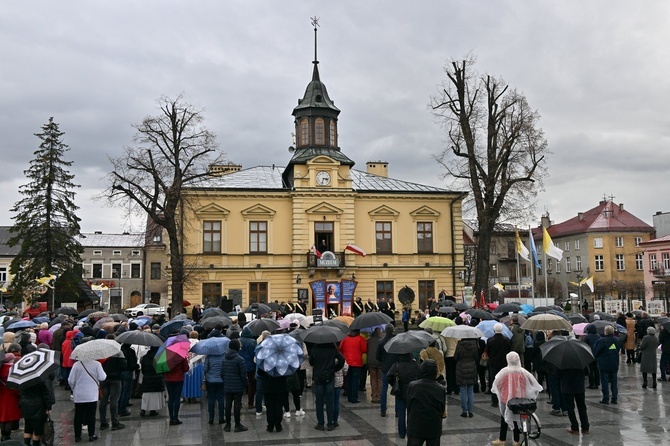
x=578, y=274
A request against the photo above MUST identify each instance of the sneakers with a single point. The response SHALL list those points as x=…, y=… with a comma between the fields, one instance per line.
x=226, y=428
x=319, y=427
x=116, y=427
x=241, y=428
x=104, y=426
x=556, y=412
x=287, y=414
x=259, y=414
x=299, y=413
x=498, y=443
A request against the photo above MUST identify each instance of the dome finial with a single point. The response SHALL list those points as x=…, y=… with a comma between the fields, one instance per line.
x=315, y=23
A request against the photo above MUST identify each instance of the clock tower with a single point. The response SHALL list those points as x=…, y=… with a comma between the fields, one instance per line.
x=316, y=137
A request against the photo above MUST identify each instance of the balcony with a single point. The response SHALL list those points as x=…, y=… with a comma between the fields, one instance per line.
x=661, y=272
x=327, y=260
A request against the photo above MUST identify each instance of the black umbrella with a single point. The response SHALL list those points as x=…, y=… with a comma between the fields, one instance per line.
x=118, y=317
x=602, y=316
x=600, y=326
x=139, y=337
x=446, y=310
x=211, y=312
x=57, y=320
x=480, y=314
x=408, y=342
x=32, y=369
x=258, y=309
x=273, y=306
x=257, y=326
x=322, y=334
x=448, y=303
x=367, y=320
x=213, y=321
x=9, y=313
x=337, y=324
x=666, y=325
x=508, y=308
x=180, y=317
x=542, y=309
x=576, y=318
x=460, y=306
x=67, y=310
x=567, y=353
x=86, y=312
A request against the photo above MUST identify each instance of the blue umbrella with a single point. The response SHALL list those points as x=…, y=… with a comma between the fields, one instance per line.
x=211, y=346
x=21, y=324
x=526, y=308
x=41, y=320
x=141, y=322
x=279, y=355
x=487, y=328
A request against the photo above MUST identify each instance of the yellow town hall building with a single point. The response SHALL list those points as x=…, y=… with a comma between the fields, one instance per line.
x=255, y=235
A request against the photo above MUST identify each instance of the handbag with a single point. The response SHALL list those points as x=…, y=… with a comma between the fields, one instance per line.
x=48, y=432
x=484, y=360
x=395, y=388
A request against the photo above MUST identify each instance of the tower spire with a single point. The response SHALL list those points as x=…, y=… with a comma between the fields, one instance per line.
x=315, y=23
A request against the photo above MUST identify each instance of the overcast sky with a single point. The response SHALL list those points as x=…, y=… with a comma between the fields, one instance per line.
x=598, y=72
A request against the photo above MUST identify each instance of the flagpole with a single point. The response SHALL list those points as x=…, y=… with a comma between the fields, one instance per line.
x=546, y=284
x=518, y=274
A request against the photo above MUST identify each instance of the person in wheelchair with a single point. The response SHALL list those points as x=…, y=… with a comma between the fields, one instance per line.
x=511, y=382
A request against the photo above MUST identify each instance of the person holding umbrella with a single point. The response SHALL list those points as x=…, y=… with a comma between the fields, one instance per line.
x=35, y=403
x=664, y=340
x=325, y=360
x=606, y=352
x=497, y=348
x=404, y=371
x=84, y=379
x=9, y=408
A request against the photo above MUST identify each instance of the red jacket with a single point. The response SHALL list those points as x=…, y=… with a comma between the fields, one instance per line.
x=177, y=373
x=352, y=348
x=66, y=349
x=9, y=408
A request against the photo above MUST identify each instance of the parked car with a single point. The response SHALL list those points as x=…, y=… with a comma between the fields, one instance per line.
x=146, y=309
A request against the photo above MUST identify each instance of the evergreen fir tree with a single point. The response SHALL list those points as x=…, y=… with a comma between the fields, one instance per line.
x=45, y=224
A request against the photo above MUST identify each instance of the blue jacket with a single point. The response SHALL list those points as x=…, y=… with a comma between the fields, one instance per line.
x=233, y=372
x=248, y=341
x=607, y=351
x=591, y=336
x=213, y=368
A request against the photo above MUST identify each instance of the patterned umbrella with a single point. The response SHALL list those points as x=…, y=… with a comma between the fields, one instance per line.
x=437, y=323
x=171, y=353
x=32, y=369
x=96, y=349
x=298, y=317
x=279, y=355
x=546, y=322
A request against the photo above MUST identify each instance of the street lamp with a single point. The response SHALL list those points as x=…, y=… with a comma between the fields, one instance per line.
x=578, y=273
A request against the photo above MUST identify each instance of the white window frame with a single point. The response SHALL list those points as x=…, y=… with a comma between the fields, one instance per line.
x=139, y=265
x=117, y=252
x=578, y=263
x=568, y=265
x=618, y=242
x=598, y=242
x=558, y=266
x=578, y=245
x=567, y=246
x=135, y=253
x=599, y=260
x=620, y=262
x=4, y=273
x=666, y=260
x=97, y=252
x=652, y=262
x=638, y=240
x=639, y=262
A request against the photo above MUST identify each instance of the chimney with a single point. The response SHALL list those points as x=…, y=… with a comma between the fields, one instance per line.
x=580, y=215
x=98, y=232
x=223, y=169
x=379, y=168
x=621, y=207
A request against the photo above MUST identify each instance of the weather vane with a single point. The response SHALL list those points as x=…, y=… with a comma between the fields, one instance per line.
x=315, y=23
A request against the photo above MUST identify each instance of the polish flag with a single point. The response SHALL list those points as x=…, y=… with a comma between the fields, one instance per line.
x=355, y=249
x=482, y=298
x=316, y=252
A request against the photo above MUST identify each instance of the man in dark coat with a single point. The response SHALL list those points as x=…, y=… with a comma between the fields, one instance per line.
x=325, y=360
x=664, y=340
x=607, y=351
x=497, y=348
x=357, y=307
x=642, y=325
x=387, y=360
x=111, y=390
x=573, y=391
x=234, y=375
x=426, y=402
x=591, y=338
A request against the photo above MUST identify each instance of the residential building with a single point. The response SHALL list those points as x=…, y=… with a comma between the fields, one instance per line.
x=603, y=242
x=271, y=233
x=656, y=257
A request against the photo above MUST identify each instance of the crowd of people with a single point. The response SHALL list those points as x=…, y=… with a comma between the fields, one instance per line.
x=504, y=365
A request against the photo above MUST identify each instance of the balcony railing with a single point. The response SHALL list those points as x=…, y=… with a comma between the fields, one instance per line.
x=328, y=260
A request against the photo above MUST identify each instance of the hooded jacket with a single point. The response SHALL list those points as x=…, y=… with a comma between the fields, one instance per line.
x=385, y=358
x=405, y=370
x=248, y=342
x=233, y=372
x=426, y=402
x=592, y=336
x=352, y=348
x=67, y=347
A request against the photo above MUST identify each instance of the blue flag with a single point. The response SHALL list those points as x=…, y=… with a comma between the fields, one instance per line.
x=533, y=249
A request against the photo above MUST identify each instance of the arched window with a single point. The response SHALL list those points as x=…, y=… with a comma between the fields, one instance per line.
x=304, y=132
x=333, y=133
x=319, y=132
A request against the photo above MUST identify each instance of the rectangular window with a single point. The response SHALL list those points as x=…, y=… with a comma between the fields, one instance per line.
x=620, y=264
x=424, y=237
x=568, y=265
x=600, y=263
x=135, y=252
x=493, y=270
x=333, y=143
x=97, y=252
x=578, y=245
x=258, y=237
x=638, y=240
x=3, y=275
x=639, y=262
x=558, y=266
x=652, y=261
x=135, y=271
x=258, y=292
x=567, y=246
x=156, y=273
x=578, y=263
x=618, y=242
x=211, y=293
x=384, y=289
x=666, y=260
x=383, y=235
x=319, y=131
x=116, y=270
x=426, y=291
x=493, y=249
x=211, y=233
x=304, y=132
x=97, y=271
x=116, y=252
x=597, y=242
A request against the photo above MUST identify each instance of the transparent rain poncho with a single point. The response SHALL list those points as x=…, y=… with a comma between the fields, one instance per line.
x=514, y=382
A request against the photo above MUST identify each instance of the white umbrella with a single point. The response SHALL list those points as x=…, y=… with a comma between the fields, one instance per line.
x=96, y=349
x=462, y=332
x=297, y=317
x=307, y=321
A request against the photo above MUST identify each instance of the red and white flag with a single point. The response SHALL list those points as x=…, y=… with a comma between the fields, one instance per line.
x=355, y=249
x=316, y=252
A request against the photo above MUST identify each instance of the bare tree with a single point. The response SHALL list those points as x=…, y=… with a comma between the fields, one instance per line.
x=172, y=151
x=494, y=148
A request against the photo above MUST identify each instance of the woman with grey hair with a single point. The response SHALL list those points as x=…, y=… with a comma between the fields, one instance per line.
x=648, y=363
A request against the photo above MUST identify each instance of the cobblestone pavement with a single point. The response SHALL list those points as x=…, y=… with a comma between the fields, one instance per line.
x=640, y=418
